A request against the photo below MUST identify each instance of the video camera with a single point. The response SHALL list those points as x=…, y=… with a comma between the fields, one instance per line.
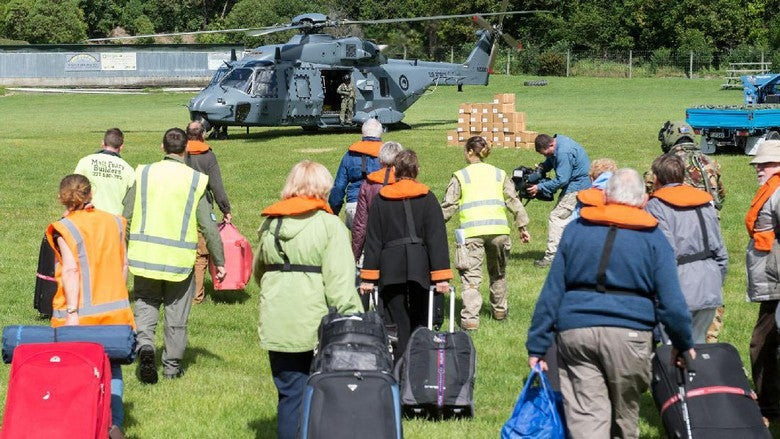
x=525, y=177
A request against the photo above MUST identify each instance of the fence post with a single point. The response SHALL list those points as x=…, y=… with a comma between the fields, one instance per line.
x=630, y=64
x=404, y=51
x=452, y=54
x=568, y=62
x=690, y=66
x=508, y=60
x=762, y=62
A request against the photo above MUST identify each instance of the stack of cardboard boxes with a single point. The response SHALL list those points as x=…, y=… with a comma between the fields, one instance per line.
x=497, y=122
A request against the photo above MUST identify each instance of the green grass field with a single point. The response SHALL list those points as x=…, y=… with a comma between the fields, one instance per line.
x=227, y=390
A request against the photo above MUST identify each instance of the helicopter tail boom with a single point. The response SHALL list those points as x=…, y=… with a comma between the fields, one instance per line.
x=476, y=69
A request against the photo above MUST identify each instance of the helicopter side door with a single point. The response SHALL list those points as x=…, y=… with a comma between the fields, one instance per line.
x=305, y=96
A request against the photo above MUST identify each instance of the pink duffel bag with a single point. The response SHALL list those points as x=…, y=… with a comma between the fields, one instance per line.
x=238, y=259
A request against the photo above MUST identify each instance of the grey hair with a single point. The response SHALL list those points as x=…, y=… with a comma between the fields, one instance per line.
x=625, y=187
x=372, y=128
x=388, y=151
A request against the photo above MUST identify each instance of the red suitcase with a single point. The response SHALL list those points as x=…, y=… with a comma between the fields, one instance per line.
x=58, y=390
x=238, y=259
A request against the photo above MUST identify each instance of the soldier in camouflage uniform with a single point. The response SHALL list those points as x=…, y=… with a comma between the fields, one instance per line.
x=347, y=93
x=678, y=138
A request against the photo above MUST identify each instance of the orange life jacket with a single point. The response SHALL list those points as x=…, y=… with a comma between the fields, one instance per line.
x=197, y=147
x=367, y=147
x=762, y=240
x=379, y=176
x=683, y=196
x=404, y=188
x=619, y=215
x=97, y=241
x=591, y=197
x=296, y=206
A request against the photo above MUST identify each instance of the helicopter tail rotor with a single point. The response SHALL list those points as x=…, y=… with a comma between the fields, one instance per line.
x=496, y=30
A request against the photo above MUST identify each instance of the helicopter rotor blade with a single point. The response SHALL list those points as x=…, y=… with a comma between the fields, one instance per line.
x=170, y=34
x=433, y=17
x=274, y=29
x=512, y=41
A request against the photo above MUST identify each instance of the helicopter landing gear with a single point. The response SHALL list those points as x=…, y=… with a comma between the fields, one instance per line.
x=219, y=133
x=310, y=128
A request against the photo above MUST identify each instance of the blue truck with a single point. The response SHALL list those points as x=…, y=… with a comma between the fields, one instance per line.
x=740, y=127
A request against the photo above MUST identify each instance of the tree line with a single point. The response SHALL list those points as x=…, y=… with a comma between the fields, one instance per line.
x=716, y=26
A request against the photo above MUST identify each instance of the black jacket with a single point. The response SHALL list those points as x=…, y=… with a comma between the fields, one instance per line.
x=392, y=256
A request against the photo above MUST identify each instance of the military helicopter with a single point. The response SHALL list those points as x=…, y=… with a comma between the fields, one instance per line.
x=296, y=83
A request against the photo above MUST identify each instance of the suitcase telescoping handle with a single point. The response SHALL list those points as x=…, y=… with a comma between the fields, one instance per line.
x=431, y=291
x=683, y=375
x=373, y=299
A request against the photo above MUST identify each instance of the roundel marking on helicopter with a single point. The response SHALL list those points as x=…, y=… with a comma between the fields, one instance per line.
x=403, y=82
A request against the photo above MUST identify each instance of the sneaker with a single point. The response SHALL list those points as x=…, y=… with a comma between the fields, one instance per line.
x=115, y=433
x=499, y=315
x=469, y=325
x=147, y=369
x=173, y=376
x=542, y=263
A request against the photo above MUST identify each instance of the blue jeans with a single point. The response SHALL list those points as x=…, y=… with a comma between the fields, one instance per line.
x=117, y=389
x=290, y=372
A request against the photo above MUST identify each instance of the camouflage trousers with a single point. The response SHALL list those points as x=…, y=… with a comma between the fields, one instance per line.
x=468, y=261
x=347, y=110
x=559, y=218
x=717, y=324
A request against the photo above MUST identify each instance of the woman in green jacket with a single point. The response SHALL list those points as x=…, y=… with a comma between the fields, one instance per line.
x=304, y=266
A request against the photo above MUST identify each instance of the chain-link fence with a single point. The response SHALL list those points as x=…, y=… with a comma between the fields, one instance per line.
x=615, y=63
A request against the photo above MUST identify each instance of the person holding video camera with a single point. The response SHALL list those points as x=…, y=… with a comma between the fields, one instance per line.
x=571, y=164
x=481, y=193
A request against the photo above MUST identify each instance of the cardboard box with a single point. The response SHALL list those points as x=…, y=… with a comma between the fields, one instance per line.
x=494, y=108
x=508, y=139
x=473, y=118
x=476, y=108
x=462, y=118
x=486, y=129
x=464, y=108
x=475, y=128
x=452, y=137
x=504, y=98
x=462, y=137
x=462, y=127
x=496, y=127
x=487, y=118
x=506, y=108
x=498, y=145
x=528, y=136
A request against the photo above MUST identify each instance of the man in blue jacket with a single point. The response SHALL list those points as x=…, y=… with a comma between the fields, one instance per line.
x=360, y=160
x=613, y=265
x=571, y=165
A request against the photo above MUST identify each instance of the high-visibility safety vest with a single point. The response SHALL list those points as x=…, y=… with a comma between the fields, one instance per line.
x=482, y=207
x=164, y=232
x=97, y=241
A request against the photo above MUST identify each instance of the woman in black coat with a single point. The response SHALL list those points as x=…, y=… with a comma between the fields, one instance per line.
x=406, y=248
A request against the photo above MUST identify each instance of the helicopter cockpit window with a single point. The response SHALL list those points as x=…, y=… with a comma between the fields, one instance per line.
x=265, y=83
x=240, y=79
x=218, y=75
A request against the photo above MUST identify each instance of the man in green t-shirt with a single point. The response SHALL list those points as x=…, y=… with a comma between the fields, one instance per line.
x=109, y=175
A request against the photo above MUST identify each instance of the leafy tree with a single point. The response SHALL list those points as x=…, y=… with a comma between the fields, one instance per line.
x=45, y=21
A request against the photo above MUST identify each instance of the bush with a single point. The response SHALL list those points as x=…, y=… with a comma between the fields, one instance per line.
x=744, y=53
x=660, y=58
x=552, y=64
x=3, y=91
x=599, y=69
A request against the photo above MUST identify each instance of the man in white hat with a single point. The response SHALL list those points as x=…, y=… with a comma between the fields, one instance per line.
x=762, y=261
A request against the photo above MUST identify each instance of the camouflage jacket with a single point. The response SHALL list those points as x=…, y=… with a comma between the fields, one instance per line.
x=346, y=91
x=697, y=167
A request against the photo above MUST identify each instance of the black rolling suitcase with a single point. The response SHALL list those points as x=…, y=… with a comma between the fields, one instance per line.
x=352, y=342
x=351, y=405
x=351, y=393
x=711, y=399
x=436, y=373
x=45, y=283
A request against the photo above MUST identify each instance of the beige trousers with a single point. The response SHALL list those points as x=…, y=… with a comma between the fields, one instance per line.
x=559, y=218
x=603, y=372
x=468, y=261
x=201, y=265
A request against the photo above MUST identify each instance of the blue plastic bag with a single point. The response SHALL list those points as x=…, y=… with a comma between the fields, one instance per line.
x=536, y=414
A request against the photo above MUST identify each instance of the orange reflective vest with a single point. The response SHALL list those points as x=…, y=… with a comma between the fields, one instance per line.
x=97, y=241
x=762, y=240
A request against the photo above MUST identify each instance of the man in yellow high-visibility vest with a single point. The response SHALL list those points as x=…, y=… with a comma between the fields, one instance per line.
x=165, y=210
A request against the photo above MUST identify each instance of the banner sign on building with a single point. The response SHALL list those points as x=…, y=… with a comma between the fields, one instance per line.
x=118, y=61
x=80, y=62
